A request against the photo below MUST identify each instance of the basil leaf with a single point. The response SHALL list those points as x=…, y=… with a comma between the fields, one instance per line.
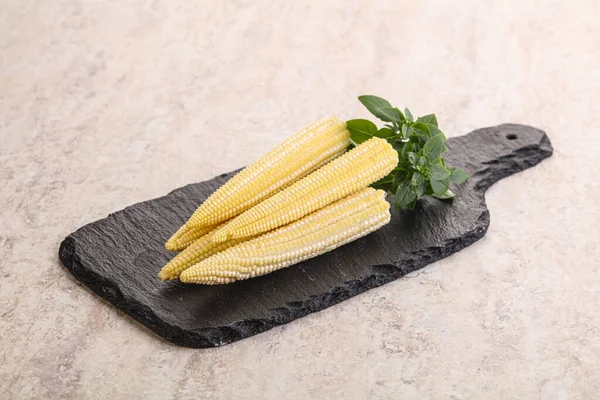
x=406, y=149
x=458, y=175
x=408, y=115
x=381, y=108
x=428, y=119
x=360, y=130
x=434, y=147
x=412, y=158
x=412, y=205
x=404, y=195
x=361, y=125
x=423, y=161
x=402, y=117
x=401, y=177
x=447, y=195
x=382, y=186
x=439, y=173
x=418, y=182
x=384, y=183
x=392, y=140
x=440, y=187
x=388, y=178
x=385, y=133
x=422, y=129
x=398, y=145
x=412, y=133
x=413, y=138
x=434, y=130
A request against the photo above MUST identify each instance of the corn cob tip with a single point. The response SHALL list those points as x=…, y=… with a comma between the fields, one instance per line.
x=165, y=276
x=185, y=236
x=171, y=245
x=183, y=277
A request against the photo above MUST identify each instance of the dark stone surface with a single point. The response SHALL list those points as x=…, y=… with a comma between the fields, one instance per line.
x=119, y=257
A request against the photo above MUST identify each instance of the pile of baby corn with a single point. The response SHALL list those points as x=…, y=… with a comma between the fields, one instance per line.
x=304, y=198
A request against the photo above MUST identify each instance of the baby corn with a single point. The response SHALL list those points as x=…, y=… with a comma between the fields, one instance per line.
x=335, y=225
x=186, y=236
x=358, y=168
x=296, y=157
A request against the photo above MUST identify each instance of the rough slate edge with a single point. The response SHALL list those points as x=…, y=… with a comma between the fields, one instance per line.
x=211, y=337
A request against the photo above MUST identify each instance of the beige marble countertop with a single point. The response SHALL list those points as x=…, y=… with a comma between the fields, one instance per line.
x=107, y=103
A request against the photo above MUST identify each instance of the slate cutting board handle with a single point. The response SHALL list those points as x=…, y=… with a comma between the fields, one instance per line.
x=509, y=148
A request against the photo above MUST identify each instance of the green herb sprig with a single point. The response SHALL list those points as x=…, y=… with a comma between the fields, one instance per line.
x=421, y=169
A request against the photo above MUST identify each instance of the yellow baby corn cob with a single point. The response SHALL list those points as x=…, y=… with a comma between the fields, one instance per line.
x=333, y=226
x=361, y=166
x=203, y=247
x=186, y=236
x=296, y=157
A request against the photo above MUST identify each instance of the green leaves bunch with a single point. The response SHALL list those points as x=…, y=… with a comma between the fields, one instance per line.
x=421, y=169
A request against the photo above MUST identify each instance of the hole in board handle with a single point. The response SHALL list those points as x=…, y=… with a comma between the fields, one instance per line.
x=511, y=136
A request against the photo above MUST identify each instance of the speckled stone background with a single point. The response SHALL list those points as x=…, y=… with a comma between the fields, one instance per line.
x=107, y=103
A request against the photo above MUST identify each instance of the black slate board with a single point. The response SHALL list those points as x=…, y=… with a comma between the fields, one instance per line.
x=119, y=257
